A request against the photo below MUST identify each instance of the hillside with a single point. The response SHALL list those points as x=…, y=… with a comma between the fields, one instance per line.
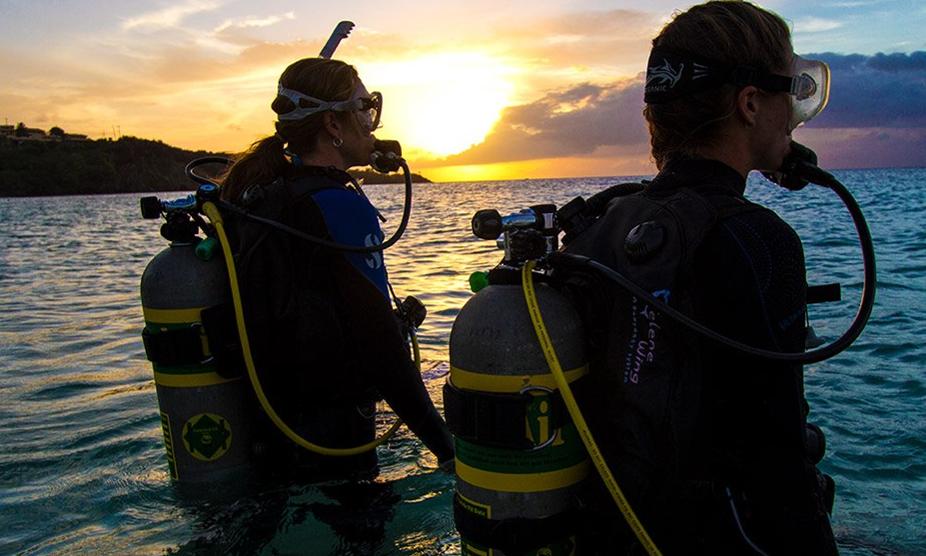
x=128, y=165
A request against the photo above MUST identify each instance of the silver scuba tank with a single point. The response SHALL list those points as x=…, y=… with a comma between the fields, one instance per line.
x=519, y=459
x=203, y=413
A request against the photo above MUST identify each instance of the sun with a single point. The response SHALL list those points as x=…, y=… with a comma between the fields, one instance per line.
x=440, y=104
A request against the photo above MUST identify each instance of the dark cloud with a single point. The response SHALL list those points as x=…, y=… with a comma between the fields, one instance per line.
x=876, y=117
x=885, y=90
x=915, y=61
x=575, y=121
x=867, y=147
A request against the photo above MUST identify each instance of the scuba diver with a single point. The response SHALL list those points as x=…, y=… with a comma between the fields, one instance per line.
x=711, y=445
x=324, y=337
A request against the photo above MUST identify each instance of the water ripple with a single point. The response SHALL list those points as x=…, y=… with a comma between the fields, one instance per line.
x=82, y=468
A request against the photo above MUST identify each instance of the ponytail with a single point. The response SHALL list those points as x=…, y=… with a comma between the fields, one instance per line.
x=261, y=164
x=266, y=160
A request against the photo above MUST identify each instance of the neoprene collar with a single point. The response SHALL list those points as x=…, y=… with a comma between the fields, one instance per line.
x=698, y=174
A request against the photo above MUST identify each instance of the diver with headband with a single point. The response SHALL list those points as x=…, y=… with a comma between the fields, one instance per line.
x=712, y=445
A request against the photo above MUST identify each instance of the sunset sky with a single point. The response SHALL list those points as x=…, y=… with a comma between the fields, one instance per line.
x=484, y=89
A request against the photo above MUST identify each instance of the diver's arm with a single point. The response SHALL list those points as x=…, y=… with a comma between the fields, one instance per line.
x=361, y=284
x=384, y=357
x=752, y=270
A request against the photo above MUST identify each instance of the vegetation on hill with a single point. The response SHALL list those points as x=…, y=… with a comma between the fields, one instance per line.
x=126, y=165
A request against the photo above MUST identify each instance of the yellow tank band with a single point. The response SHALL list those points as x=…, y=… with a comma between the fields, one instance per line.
x=172, y=316
x=482, y=382
x=194, y=380
x=527, y=482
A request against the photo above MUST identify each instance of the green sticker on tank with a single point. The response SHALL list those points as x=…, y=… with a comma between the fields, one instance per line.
x=207, y=436
x=169, y=446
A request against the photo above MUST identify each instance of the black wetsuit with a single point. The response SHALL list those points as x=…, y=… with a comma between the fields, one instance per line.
x=326, y=342
x=731, y=421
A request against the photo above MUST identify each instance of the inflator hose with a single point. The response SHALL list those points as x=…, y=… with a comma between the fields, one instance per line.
x=866, y=303
x=213, y=213
x=406, y=214
x=562, y=384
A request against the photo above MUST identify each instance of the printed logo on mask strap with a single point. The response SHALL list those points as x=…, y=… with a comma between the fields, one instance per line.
x=661, y=78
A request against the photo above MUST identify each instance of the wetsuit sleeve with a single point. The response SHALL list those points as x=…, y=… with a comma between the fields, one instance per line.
x=751, y=286
x=382, y=350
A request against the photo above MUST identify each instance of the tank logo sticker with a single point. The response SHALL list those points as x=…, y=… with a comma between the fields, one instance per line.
x=207, y=436
x=537, y=419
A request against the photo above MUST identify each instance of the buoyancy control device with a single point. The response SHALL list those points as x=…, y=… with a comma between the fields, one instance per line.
x=497, y=519
x=195, y=334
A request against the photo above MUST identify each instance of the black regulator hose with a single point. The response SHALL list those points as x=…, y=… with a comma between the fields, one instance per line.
x=815, y=175
x=190, y=169
x=406, y=214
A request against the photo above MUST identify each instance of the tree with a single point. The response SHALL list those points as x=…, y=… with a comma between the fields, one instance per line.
x=21, y=130
x=56, y=132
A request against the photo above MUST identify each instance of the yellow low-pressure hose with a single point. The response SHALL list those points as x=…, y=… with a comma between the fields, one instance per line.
x=556, y=370
x=213, y=213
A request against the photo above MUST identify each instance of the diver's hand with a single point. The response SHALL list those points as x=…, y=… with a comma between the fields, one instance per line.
x=412, y=312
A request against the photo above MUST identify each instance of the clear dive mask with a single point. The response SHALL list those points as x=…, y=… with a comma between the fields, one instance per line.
x=672, y=75
x=810, y=89
x=368, y=106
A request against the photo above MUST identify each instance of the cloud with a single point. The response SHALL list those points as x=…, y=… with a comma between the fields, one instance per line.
x=254, y=22
x=866, y=147
x=880, y=91
x=575, y=121
x=171, y=16
x=815, y=25
x=876, y=117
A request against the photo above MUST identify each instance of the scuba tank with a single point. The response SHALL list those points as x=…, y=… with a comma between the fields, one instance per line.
x=201, y=398
x=519, y=458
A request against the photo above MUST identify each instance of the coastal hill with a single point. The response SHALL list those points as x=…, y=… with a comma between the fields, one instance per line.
x=128, y=165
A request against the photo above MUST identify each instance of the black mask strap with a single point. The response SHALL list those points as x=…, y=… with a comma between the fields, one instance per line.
x=671, y=75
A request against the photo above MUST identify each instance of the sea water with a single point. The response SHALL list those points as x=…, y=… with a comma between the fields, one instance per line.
x=82, y=465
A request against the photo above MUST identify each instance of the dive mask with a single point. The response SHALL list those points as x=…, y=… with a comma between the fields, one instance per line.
x=671, y=75
x=369, y=106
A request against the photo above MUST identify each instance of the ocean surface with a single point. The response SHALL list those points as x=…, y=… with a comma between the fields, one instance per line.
x=82, y=464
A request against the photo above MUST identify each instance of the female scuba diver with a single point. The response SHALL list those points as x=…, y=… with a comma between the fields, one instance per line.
x=325, y=340
x=711, y=446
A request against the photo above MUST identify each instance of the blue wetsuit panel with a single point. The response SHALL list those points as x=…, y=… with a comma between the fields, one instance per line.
x=352, y=220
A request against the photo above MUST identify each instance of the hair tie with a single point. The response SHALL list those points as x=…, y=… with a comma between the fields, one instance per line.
x=293, y=158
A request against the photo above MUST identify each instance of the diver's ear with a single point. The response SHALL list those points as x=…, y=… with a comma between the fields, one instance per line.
x=747, y=105
x=331, y=124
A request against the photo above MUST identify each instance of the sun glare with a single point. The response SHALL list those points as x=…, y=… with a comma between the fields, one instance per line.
x=442, y=103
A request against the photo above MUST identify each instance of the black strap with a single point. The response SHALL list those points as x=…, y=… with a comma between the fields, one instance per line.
x=513, y=535
x=184, y=346
x=495, y=419
x=181, y=346
x=221, y=328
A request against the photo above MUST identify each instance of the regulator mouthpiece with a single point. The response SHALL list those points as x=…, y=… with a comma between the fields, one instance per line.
x=386, y=156
x=798, y=169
